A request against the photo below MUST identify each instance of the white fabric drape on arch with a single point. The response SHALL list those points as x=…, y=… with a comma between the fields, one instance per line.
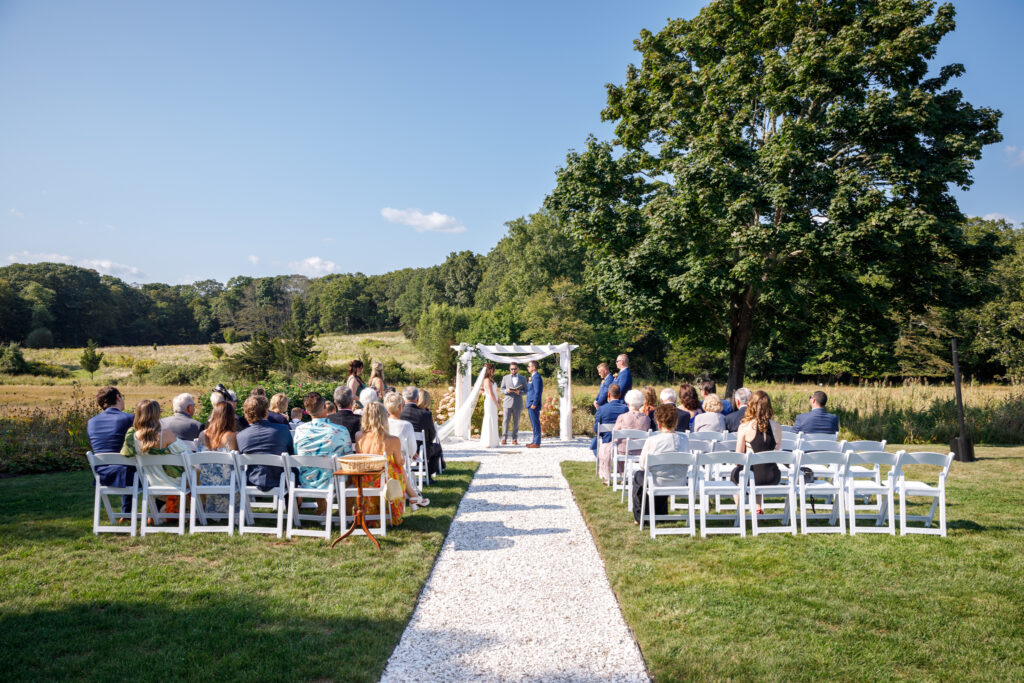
x=461, y=421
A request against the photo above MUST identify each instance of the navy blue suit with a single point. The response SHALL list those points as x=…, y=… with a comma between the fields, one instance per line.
x=534, y=393
x=106, y=435
x=625, y=381
x=817, y=422
x=602, y=392
x=607, y=414
x=265, y=437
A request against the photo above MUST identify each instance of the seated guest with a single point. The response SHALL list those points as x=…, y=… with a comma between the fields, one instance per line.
x=606, y=381
x=181, y=423
x=423, y=403
x=106, y=435
x=669, y=398
x=346, y=417
x=296, y=418
x=145, y=437
x=403, y=430
x=607, y=415
x=220, y=393
x=322, y=438
x=650, y=402
x=263, y=436
x=377, y=440
x=711, y=420
x=634, y=418
x=667, y=440
x=219, y=435
x=759, y=432
x=278, y=411
x=740, y=397
x=690, y=403
x=423, y=421
x=368, y=396
x=707, y=387
x=817, y=421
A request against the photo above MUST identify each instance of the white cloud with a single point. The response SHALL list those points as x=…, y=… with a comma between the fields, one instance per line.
x=998, y=217
x=1015, y=154
x=423, y=222
x=253, y=259
x=29, y=257
x=108, y=267
x=314, y=266
x=16, y=213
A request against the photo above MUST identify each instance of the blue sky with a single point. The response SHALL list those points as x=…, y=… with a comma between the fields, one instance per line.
x=178, y=141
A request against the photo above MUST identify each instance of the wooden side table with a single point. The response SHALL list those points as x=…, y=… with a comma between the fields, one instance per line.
x=359, y=513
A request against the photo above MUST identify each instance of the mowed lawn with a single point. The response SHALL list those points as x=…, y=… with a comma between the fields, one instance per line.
x=827, y=607
x=202, y=607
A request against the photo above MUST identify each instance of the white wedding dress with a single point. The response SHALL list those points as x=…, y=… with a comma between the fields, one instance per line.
x=489, y=429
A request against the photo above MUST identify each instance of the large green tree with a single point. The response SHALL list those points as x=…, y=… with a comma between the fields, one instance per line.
x=781, y=156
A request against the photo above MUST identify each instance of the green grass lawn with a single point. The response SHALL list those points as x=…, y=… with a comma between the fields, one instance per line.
x=206, y=607
x=830, y=607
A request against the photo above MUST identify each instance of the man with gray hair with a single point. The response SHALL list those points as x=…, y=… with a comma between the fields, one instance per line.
x=423, y=421
x=740, y=398
x=345, y=417
x=668, y=396
x=181, y=423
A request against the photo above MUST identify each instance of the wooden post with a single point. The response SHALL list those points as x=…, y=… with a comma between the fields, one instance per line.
x=963, y=449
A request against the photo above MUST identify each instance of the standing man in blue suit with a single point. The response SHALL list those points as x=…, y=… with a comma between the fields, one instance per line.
x=534, y=393
x=106, y=435
x=817, y=421
x=625, y=378
x=606, y=381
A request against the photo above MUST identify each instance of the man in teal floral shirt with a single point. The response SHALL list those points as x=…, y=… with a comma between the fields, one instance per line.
x=319, y=437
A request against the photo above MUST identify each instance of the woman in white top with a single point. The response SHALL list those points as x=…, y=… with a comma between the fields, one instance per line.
x=667, y=440
x=404, y=431
x=711, y=420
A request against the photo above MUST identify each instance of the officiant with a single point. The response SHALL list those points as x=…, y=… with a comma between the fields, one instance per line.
x=513, y=386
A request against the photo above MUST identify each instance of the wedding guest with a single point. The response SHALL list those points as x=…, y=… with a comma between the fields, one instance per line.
x=817, y=421
x=181, y=423
x=319, y=437
x=219, y=435
x=145, y=437
x=759, y=432
x=668, y=397
x=403, y=430
x=624, y=378
x=346, y=417
x=263, y=436
x=278, y=411
x=667, y=440
x=377, y=440
x=707, y=387
x=366, y=397
x=377, y=378
x=106, y=432
x=219, y=394
x=331, y=408
x=423, y=403
x=634, y=418
x=607, y=415
x=355, y=378
x=423, y=421
x=740, y=397
x=606, y=381
x=296, y=418
x=650, y=402
x=711, y=420
x=690, y=404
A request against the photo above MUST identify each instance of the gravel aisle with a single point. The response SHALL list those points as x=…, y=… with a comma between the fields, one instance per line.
x=519, y=591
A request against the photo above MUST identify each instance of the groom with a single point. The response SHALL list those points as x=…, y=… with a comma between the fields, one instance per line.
x=533, y=395
x=513, y=386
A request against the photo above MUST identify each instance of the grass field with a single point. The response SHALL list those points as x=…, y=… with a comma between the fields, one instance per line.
x=204, y=607
x=828, y=607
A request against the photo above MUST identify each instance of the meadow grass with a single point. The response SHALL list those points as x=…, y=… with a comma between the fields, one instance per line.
x=208, y=606
x=874, y=607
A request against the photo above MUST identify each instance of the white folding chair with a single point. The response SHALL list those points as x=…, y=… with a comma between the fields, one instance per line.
x=632, y=438
x=345, y=492
x=787, y=429
x=420, y=469
x=250, y=494
x=725, y=445
x=820, y=436
x=699, y=441
x=790, y=441
x=711, y=486
x=937, y=493
x=157, y=482
x=194, y=470
x=885, y=491
x=786, y=488
x=296, y=491
x=662, y=477
x=710, y=436
x=102, y=491
x=861, y=472
x=829, y=484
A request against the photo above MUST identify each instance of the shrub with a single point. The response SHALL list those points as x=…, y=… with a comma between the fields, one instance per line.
x=39, y=338
x=48, y=440
x=47, y=370
x=216, y=351
x=12, y=361
x=178, y=373
x=142, y=366
x=90, y=359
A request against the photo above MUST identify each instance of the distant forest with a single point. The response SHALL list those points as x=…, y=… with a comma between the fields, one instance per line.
x=533, y=286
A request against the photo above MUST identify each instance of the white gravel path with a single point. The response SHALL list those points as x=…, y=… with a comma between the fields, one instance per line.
x=519, y=591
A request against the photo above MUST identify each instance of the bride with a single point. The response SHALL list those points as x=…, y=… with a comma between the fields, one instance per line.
x=489, y=430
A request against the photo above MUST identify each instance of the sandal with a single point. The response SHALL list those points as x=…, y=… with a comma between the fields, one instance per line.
x=417, y=503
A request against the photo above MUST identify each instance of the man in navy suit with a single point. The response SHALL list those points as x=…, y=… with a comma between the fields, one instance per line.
x=606, y=381
x=817, y=421
x=263, y=436
x=106, y=435
x=625, y=378
x=608, y=414
x=534, y=393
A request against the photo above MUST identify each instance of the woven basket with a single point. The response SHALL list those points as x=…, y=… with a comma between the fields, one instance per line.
x=361, y=464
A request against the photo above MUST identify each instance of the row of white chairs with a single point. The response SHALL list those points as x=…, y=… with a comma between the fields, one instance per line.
x=833, y=479
x=279, y=504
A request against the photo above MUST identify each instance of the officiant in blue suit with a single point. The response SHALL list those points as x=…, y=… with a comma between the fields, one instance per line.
x=534, y=394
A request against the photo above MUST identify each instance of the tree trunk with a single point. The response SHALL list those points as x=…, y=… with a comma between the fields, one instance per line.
x=741, y=328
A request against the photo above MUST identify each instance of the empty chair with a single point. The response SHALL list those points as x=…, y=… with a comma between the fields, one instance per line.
x=785, y=488
x=937, y=493
x=156, y=482
x=199, y=489
x=710, y=486
x=102, y=491
x=725, y=445
x=828, y=468
x=252, y=507
x=885, y=490
x=669, y=474
x=296, y=491
x=820, y=436
x=699, y=442
x=790, y=441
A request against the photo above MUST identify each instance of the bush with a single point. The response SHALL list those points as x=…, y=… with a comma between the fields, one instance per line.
x=178, y=373
x=142, y=366
x=12, y=361
x=47, y=370
x=47, y=440
x=216, y=351
x=39, y=338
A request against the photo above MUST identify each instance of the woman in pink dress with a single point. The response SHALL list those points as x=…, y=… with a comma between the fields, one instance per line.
x=634, y=419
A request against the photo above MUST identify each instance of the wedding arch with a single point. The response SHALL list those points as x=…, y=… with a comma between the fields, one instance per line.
x=516, y=353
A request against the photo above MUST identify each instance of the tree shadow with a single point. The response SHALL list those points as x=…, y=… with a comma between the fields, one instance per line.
x=495, y=488
x=494, y=535
x=513, y=476
x=512, y=507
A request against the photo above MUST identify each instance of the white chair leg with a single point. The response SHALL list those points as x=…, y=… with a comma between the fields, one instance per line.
x=903, y=513
x=703, y=515
x=96, y=511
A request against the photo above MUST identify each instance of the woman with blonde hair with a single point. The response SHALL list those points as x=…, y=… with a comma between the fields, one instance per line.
x=711, y=420
x=759, y=432
x=403, y=431
x=650, y=402
x=423, y=400
x=278, y=409
x=377, y=440
x=377, y=379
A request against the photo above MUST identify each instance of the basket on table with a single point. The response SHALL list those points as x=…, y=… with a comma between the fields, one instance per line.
x=362, y=464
